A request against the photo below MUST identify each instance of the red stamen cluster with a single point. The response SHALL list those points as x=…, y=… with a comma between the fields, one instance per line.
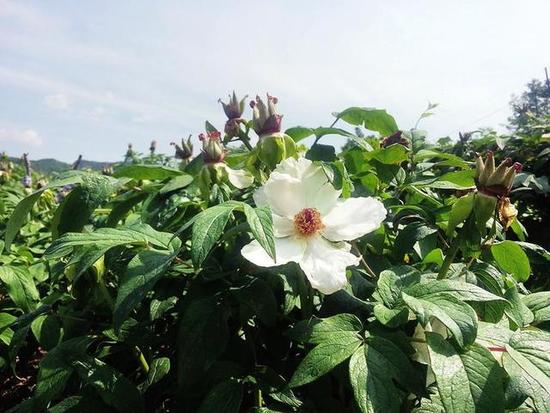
x=308, y=221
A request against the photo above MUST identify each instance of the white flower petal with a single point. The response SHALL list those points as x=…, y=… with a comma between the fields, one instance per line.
x=286, y=250
x=239, y=178
x=325, y=263
x=283, y=226
x=284, y=194
x=353, y=218
x=297, y=184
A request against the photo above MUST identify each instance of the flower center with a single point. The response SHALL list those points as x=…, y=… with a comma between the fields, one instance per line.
x=308, y=221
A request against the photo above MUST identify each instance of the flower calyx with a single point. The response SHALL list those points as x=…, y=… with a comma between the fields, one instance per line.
x=265, y=119
x=398, y=137
x=234, y=111
x=213, y=150
x=185, y=151
x=495, y=181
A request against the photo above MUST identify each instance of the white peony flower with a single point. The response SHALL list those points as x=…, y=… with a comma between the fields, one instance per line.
x=311, y=224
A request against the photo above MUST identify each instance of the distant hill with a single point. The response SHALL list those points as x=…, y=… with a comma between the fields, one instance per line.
x=49, y=165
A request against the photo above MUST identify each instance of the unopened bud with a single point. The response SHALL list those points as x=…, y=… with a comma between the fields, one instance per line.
x=265, y=119
x=397, y=137
x=274, y=148
x=212, y=147
x=235, y=108
x=185, y=151
x=496, y=182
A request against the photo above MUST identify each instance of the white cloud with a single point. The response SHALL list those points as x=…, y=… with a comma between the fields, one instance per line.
x=57, y=101
x=27, y=137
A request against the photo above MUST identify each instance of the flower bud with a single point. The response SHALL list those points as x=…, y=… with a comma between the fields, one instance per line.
x=130, y=154
x=495, y=182
x=212, y=147
x=185, y=151
x=265, y=119
x=27, y=181
x=235, y=108
x=507, y=212
x=234, y=111
x=397, y=137
x=484, y=209
x=153, y=147
x=274, y=148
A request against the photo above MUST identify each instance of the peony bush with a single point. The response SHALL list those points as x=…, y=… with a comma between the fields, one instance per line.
x=265, y=275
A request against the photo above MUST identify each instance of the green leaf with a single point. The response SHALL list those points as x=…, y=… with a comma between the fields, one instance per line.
x=143, y=272
x=19, y=214
x=47, y=330
x=320, y=152
x=539, y=304
x=372, y=371
x=257, y=299
x=517, y=311
x=56, y=368
x=459, y=289
x=392, y=155
x=460, y=211
x=455, y=314
x=202, y=338
x=260, y=221
x=122, y=205
x=150, y=172
x=78, y=206
x=299, y=133
x=409, y=236
x=176, y=183
x=20, y=286
x=451, y=180
x=157, y=370
x=114, y=389
x=430, y=154
x=511, y=258
x=225, y=397
x=6, y=333
x=468, y=381
x=527, y=361
x=377, y=120
x=325, y=357
x=106, y=238
x=317, y=330
x=208, y=228
x=391, y=317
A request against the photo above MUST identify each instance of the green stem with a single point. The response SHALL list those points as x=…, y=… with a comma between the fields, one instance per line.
x=449, y=258
x=142, y=360
x=369, y=270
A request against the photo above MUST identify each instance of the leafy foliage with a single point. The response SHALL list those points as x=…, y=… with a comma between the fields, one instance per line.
x=128, y=291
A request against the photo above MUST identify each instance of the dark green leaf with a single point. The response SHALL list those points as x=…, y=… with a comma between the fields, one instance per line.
x=226, y=397
x=325, y=357
x=20, y=286
x=260, y=221
x=151, y=172
x=317, y=330
x=511, y=258
x=468, y=381
x=377, y=120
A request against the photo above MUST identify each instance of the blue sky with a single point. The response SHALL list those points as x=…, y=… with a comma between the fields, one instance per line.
x=89, y=77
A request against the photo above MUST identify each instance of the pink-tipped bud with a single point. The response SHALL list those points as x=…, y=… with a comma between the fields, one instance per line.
x=265, y=119
x=212, y=147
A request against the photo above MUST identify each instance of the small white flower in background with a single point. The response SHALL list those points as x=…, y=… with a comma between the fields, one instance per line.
x=312, y=224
